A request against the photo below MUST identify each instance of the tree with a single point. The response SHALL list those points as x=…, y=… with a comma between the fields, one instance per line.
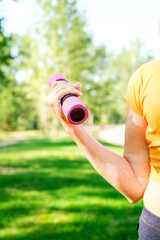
x=121, y=67
x=60, y=44
x=6, y=82
x=14, y=98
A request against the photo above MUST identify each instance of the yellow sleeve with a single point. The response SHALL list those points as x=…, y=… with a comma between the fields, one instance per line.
x=134, y=92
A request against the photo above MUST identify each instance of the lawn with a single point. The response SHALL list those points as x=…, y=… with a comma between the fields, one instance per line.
x=48, y=190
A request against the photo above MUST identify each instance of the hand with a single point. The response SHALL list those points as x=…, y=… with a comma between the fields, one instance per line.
x=58, y=90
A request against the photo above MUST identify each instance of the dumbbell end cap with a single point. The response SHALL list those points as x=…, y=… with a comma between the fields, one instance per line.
x=55, y=77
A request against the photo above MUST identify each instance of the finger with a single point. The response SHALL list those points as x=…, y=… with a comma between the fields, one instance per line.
x=61, y=87
x=46, y=101
x=49, y=101
x=64, y=92
x=66, y=87
x=59, y=82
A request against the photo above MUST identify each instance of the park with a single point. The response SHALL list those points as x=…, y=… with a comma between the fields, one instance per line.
x=48, y=188
x=50, y=191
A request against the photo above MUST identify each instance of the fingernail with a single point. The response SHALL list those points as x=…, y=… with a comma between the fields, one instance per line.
x=76, y=91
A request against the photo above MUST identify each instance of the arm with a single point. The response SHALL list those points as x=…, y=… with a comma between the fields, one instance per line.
x=136, y=148
x=127, y=173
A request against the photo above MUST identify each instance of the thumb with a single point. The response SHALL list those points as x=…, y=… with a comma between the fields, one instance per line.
x=77, y=86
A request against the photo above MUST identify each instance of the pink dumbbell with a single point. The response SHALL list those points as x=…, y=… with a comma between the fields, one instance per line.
x=73, y=108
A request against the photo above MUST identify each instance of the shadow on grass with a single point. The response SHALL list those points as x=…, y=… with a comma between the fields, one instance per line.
x=63, y=179
x=35, y=144
x=55, y=174
x=95, y=222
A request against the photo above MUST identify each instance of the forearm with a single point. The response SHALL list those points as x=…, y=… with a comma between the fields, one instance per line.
x=114, y=168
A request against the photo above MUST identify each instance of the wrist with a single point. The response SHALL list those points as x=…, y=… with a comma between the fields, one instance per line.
x=66, y=125
x=70, y=128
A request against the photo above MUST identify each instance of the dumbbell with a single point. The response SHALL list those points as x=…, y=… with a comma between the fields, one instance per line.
x=73, y=108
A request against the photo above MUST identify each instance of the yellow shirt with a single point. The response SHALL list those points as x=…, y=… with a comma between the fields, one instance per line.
x=143, y=96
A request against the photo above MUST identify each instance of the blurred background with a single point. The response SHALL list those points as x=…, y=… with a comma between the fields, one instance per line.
x=98, y=43
x=47, y=192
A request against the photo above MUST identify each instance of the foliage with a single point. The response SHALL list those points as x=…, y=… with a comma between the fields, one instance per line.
x=15, y=103
x=6, y=82
x=5, y=55
x=120, y=68
x=59, y=42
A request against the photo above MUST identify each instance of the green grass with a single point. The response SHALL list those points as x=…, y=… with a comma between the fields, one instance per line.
x=48, y=190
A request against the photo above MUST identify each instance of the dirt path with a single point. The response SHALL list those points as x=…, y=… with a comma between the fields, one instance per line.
x=113, y=134
x=9, y=141
x=14, y=137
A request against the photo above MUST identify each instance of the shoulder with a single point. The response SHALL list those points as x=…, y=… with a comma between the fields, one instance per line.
x=150, y=67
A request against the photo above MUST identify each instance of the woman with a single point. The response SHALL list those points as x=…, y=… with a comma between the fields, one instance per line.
x=130, y=174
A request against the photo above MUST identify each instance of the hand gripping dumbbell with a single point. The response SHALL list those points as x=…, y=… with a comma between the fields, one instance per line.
x=72, y=107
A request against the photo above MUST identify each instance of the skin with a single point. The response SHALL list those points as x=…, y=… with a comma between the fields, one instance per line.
x=129, y=174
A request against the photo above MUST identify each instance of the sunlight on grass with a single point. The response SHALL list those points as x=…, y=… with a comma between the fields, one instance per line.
x=50, y=191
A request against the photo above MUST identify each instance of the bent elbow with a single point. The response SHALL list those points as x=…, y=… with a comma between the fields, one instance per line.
x=135, y=199
x=137, y=196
